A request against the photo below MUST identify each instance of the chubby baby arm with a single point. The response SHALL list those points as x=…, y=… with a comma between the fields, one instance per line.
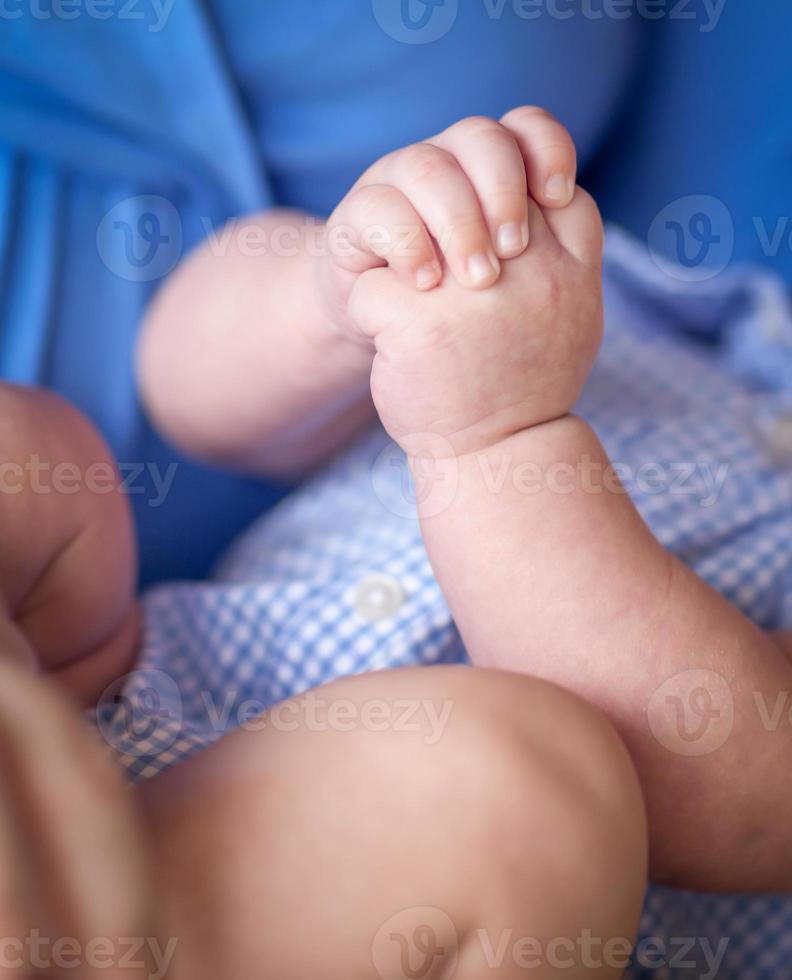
x=572, y=586
x=68, y=565
x=237, y=361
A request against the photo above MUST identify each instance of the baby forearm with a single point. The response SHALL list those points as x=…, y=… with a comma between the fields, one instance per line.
x=237, y=361
x=550, y=570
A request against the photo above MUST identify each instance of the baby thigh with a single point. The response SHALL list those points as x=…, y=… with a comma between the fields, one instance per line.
x=412, y=824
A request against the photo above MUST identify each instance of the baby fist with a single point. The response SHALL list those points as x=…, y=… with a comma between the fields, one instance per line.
x=462, y=370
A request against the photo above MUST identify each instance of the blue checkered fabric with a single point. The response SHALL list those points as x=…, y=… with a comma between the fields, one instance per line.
x=692, y=396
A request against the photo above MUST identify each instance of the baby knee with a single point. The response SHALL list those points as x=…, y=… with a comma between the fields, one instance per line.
x=549, y=748
x=539, y=822
x=496, y=753
x=416, y=820
x=67, y=572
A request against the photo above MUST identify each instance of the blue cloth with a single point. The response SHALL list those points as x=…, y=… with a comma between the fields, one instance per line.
x=709, y=117
x=182, y=113
x=126, y=134
x=690, y=405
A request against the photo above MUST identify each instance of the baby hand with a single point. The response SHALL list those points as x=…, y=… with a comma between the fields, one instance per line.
x=458, y=200
x=457, y=371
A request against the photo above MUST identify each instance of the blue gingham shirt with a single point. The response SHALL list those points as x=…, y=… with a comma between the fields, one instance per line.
x=692, y=397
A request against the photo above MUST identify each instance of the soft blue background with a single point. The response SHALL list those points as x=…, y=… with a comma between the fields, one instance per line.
x=205, y=110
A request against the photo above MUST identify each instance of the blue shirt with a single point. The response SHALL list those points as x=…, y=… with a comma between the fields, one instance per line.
x=708, y=130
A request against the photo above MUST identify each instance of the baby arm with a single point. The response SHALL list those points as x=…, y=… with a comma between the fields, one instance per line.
x=568, y=584
x=67, y=564
x=573, y=587
x=248, y=357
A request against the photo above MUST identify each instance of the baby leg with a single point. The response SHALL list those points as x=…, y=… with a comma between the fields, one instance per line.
x=405, y=824
x=67, y=561
x=74, y=868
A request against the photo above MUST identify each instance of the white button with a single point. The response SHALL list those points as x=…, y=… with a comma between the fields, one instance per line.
x=778, y=437
x=379, y=596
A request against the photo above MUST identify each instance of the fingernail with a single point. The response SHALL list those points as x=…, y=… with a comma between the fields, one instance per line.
x=559, y=188
x=512, y=238
x=482, y=268
x=428, y=276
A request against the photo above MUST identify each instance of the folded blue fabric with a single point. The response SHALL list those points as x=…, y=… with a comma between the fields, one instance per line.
x=130, y=128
